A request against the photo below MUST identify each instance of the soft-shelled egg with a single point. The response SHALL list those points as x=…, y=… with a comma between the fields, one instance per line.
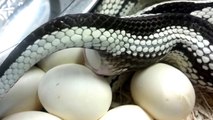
x=73, y=92
x=164, y=91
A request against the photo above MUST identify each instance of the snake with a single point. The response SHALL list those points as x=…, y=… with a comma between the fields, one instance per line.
x=179, y=33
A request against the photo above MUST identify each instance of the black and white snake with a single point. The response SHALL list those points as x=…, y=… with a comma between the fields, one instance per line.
x=179, y=33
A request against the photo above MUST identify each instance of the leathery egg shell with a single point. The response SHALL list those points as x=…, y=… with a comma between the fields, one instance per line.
x=163, y=91
x=73, y=92
x=66, y=56
x=126, y=112
x=23, y=95
x=31, y=115
x=96, y=63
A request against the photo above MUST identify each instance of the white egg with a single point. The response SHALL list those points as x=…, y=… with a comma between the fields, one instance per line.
x=23, y=95
x=74, y=92
x=92, y=59
x=96, y=63
x=126, y=112
x=70, y=55
x=31, y=115
x=164, y=91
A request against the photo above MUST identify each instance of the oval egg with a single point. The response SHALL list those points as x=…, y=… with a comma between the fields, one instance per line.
x=163, y=91
x=74, y=92
x=126, y=112
x=70, y=55
x=31, y=115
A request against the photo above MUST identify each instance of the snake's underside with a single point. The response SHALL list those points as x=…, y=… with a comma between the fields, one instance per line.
x=130, y=43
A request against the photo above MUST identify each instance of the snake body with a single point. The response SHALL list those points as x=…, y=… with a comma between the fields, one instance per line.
x=127, y=43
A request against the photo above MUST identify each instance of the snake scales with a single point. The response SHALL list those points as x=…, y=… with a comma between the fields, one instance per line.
x=179, y=33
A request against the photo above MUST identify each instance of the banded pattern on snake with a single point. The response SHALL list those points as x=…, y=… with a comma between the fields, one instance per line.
x=178, y=37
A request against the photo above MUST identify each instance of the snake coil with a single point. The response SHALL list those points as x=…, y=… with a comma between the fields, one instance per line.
x=179, y=33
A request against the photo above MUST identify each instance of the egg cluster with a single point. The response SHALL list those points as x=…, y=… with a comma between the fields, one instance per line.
x=81, y=84
x=72, y=91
